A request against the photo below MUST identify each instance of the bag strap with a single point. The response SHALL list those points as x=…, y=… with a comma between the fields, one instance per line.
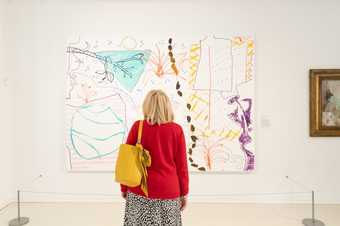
x=140, y=129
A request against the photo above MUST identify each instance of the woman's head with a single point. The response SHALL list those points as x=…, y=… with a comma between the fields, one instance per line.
x=157, y=108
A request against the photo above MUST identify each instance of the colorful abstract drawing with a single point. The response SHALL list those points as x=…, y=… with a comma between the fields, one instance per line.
x=93, y=128
x=216, y=75
x=126, y=66
x=210, y=82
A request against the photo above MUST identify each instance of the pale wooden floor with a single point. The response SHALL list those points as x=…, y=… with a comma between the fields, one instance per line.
x=197, y=214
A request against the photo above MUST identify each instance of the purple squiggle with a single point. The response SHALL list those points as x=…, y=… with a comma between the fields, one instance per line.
x=244, y=120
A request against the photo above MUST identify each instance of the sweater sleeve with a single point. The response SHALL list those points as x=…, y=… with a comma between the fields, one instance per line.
x=182, y=165
x=132, y=140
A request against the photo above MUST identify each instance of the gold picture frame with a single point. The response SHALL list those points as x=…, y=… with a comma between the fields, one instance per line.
x=324, y=102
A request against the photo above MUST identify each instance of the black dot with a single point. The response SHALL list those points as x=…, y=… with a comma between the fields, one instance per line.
x=202, y=169
x=190, y=151
x=178, y=85
x=194, y=138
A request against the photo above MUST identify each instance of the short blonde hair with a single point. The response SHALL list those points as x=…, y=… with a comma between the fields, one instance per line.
x=157, y=108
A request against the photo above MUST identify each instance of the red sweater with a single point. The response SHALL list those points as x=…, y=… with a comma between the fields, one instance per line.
x=168, y=174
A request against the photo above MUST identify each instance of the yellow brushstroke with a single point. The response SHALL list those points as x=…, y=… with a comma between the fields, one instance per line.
x=193, y=60
x=194, y=106
x=199, y=114
x=194, y=96
x=249, y=60
x=231, y=134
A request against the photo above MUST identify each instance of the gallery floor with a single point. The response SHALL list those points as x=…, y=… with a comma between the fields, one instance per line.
x=197, y=214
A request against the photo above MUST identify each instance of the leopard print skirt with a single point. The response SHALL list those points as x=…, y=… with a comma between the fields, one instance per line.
x=141, y=211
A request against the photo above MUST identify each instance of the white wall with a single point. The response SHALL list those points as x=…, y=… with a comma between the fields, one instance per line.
x=6, y=151
x=291, y=37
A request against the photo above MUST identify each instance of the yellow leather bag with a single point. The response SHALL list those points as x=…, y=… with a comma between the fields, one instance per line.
x=132, y=162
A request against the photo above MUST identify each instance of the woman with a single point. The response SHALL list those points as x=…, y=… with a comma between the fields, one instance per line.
x=168, y=174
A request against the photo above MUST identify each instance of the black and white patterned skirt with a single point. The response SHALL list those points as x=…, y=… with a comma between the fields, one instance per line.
x=141, y=211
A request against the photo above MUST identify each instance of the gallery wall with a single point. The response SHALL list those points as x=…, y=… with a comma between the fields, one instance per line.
x=290, y=37
x=6, y=150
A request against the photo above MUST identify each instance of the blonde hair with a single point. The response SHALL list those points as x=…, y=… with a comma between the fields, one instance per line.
x=157, y=108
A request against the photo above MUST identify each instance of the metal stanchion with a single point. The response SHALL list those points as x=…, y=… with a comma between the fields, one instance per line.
x=312, y=221
x=308, y=221
x=19, y=221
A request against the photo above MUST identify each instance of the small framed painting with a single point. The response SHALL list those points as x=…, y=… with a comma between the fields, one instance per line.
x=324, y=102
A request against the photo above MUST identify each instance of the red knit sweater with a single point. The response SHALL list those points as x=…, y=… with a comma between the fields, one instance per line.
x=168, y=174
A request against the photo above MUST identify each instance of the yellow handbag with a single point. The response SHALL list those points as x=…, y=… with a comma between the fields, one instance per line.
x=132, y=162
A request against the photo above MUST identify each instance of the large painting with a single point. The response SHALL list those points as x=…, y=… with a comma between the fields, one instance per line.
x=210, y=81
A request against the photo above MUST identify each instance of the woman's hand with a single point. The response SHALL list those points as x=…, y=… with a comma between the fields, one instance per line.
x=184, y=201
x=124, y=194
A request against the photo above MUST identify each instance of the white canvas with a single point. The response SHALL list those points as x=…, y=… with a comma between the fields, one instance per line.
x=211, y=86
